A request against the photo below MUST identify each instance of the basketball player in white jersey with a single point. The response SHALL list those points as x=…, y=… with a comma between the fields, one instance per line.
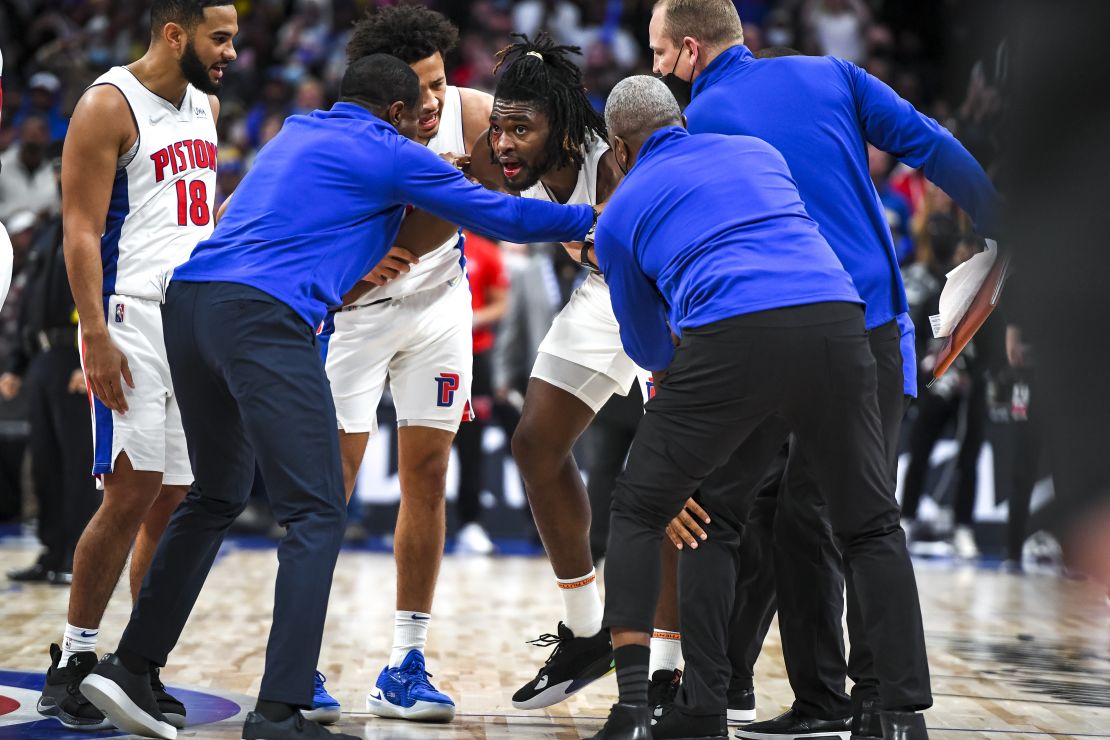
x=6, y=256
x=413, y=328
x=546, y=141
x=138, y=182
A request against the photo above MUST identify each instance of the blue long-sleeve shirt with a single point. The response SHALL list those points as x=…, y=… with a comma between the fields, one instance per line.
x=820, y=113
x=324, y=201
x=704, y=228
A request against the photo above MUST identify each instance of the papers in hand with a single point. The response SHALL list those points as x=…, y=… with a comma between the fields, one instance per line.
x=961, y=288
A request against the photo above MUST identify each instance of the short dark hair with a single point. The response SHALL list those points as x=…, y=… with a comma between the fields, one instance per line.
x=380, y=80
x=541, y=72
x=408, y=32
x=186, y=13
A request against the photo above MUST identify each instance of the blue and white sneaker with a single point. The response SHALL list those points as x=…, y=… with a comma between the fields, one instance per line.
x=325, y=708
x=405, y=692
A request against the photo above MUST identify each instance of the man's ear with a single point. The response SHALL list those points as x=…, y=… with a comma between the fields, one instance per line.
x=176, y=37
x=395, y=112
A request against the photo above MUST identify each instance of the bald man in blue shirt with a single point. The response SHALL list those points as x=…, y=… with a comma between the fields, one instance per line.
x=707, y=238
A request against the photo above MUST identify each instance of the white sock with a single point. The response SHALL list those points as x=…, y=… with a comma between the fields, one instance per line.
x=666, y=651
x=77, y=640
x=582, y=603
x=410, y=632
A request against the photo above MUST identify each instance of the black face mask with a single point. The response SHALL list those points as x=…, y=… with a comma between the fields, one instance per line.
x=683, y=90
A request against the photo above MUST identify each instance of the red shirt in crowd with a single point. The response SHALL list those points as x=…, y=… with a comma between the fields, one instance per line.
x=485, y=270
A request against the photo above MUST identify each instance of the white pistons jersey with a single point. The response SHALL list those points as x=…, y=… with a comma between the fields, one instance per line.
x=163, y=194
x=445, y=262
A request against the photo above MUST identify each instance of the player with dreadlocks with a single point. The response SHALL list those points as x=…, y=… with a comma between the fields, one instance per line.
x=548, y=142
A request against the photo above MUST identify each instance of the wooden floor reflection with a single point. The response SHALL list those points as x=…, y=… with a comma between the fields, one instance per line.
x=1011, y=657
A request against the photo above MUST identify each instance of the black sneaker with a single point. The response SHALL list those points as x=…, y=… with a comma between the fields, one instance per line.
x=126, y=699
x=61, y=694
x=741, y=704
x=171, y=708
x=295, y=727
x=865, y=721
x=626, y=722
x=794, y=724
x=676, y=724
x=662, y=690
x=575, y=663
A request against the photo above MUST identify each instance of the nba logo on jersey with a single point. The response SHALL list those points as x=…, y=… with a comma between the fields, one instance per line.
x=119, y=313
x=447, y=384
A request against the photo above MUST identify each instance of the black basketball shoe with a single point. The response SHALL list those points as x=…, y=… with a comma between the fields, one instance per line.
x=741, y=704
x=126, y=699
x=61, y=694
x=575, y=663
x=662, y=690
x=173, y=709
x=676, y=724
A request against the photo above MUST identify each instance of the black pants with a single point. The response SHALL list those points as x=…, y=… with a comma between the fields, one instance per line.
x=251, y=385
x=1028, y=443
x=812, y=367
x=468, y=441
x=609, y=437
x=934, y=413
x=61, y=449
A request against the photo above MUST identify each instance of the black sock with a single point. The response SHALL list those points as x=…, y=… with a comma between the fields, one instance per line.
x=134, y=663
x=632, y=673
x=275, y=711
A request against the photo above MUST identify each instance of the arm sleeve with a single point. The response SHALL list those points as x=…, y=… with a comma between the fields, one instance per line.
x=895, y=126
x=428, y=182
x=639, y=309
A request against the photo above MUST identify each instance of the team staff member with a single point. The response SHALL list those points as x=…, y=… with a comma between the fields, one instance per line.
x=770, y=324
x=240, y=320
x=820, y=113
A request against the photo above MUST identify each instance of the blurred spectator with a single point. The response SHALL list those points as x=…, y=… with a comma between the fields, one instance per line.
x=895, y=205
x=21, y=229
x=958, y=398
x=839, y=28
x=43, y=99
x=26, y=178
x=275, y=102
x=44, y=367
x=489, y=291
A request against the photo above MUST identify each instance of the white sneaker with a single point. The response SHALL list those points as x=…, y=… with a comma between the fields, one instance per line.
x=473, y=540
x=963, y=542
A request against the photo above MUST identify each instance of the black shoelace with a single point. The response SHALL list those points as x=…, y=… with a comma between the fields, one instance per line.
x=547, y=640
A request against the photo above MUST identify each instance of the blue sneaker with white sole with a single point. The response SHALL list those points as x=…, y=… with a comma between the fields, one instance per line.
x=405, y=692
x=325, y=708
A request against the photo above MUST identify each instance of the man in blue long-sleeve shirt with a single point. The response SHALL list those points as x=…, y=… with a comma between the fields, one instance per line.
x=321, y=206
x=821, y=113
x=707, y=238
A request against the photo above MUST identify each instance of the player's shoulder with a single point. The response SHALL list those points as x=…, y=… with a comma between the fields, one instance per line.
x=102, y=108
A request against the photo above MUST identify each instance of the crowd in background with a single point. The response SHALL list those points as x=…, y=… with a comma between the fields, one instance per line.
x=290, y=58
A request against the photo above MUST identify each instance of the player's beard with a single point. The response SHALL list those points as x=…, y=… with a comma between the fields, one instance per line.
x=532, y=174
x=196, y=72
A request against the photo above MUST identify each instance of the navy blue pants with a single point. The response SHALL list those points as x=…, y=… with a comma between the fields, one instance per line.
x=251, y=386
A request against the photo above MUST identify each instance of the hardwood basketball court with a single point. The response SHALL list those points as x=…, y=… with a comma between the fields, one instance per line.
x=1011, y=656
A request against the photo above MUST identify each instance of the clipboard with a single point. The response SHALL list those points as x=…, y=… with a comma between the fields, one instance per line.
x=982, y=305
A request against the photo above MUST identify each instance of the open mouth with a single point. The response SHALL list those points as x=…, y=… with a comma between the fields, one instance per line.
x=511, y=168
x=217, y=71
x=429, y=122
